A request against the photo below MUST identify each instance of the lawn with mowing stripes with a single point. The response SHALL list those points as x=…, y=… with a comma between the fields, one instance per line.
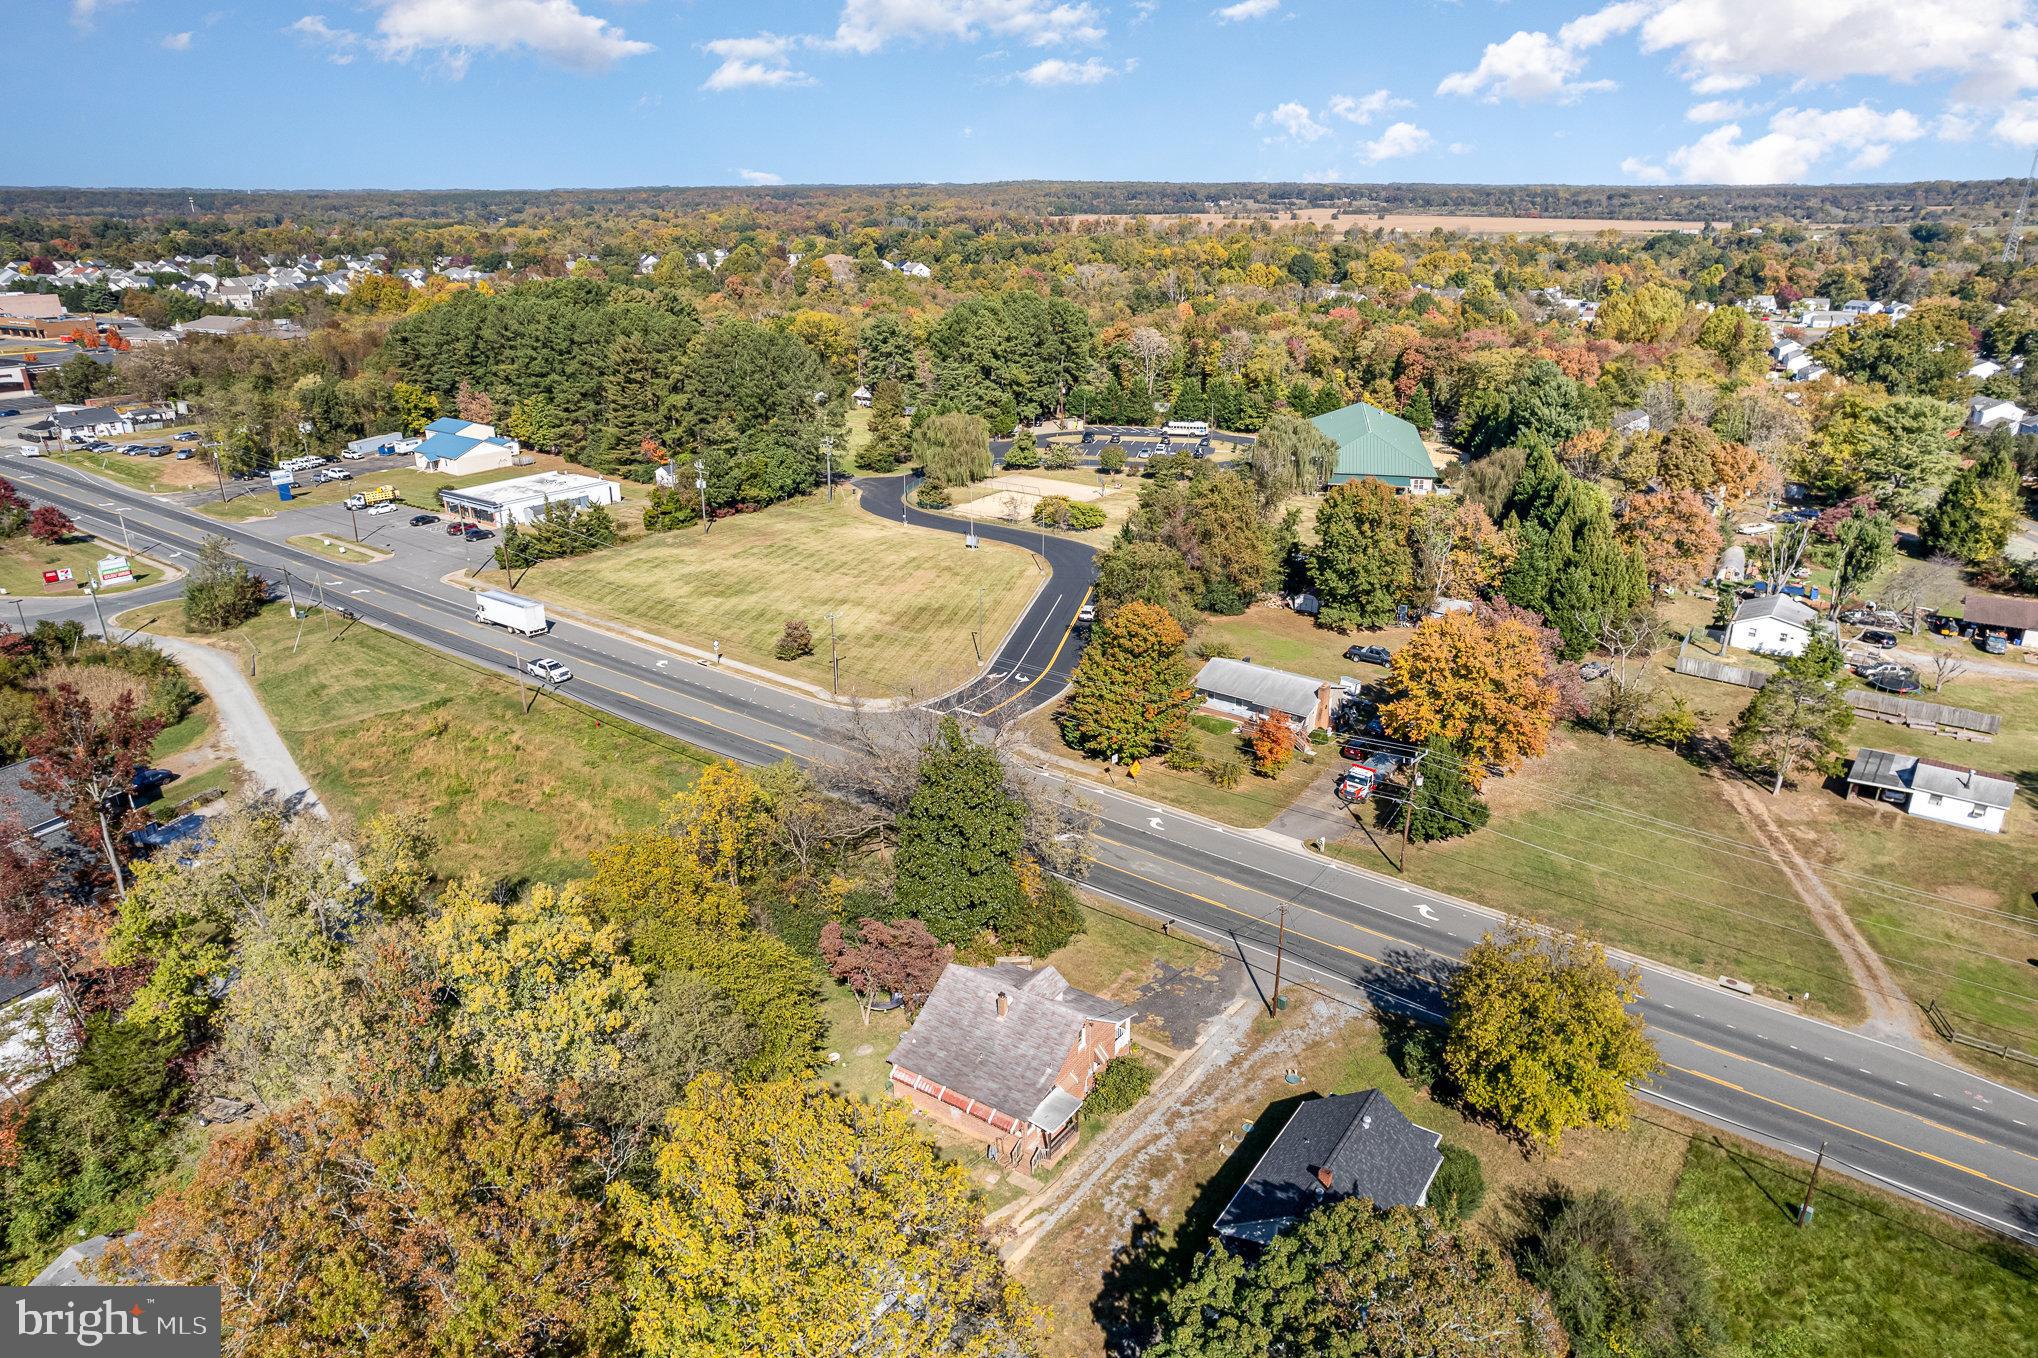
x=905, y=599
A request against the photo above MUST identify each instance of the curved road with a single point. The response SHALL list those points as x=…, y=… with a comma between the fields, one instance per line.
x=1888, y=1115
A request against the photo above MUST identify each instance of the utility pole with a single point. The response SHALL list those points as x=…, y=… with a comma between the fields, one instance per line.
x=325, y=614
x=125, y=537
x=96, y=614
x=354, y=522
x=828, y=458
x=290, y=590
x=517, y=664
x=23, y=612
x=700, y=483
x=1280, y=950
x=834, y=659
x=1408, y=809
x=218, y=476
x=1804, y=1211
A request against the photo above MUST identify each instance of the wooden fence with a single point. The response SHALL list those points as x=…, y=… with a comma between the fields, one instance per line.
x=1942, y=1023
x=1915, y=713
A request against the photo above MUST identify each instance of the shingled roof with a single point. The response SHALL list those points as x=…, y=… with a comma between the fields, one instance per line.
x=1010, y=1062
x=1360, y=1142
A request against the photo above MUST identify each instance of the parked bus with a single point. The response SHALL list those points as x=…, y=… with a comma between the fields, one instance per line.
x=1186, y=429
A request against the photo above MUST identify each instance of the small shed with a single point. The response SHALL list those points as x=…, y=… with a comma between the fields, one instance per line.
x=1733, y=565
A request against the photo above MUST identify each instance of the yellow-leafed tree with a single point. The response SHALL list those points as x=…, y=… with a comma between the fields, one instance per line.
x=1483, y=686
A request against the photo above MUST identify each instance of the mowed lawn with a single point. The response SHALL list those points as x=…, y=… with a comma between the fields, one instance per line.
x=1569, y=845
x=23, y=560
x=905, y=599
x=378, y=723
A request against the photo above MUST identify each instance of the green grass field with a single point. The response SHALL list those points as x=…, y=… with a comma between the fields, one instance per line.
x=195, y=726
x=1869, y=1276
x=1553, y=852
x=150, y=475
x=23, y=560
x=905, y=599
x=339, y=549
x=378, y=723
x=1290, y=641
x=413, y=487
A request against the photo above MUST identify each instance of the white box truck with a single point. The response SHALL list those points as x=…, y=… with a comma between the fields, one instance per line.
x=513, y=611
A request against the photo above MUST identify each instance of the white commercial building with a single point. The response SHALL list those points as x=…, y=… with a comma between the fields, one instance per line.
x=523, y=499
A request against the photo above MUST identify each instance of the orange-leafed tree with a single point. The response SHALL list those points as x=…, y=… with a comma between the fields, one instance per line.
x=1133, y=690
x=1482, y=685
x=1677, y=537
x=1272, y=742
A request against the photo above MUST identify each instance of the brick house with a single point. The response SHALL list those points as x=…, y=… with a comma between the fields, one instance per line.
x=1006, y=1055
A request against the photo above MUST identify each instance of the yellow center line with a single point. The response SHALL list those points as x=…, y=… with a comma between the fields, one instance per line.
x=1048, y=668
x=1845, y=1127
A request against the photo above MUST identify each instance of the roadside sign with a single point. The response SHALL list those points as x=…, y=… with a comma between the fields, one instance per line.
x=114, y=570
x=60, y=576
x=280, y=477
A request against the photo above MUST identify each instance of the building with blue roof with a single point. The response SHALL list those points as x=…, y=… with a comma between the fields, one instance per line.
x=463, y=447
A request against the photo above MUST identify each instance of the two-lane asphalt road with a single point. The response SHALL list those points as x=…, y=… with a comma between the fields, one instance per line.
x=1920, y=1126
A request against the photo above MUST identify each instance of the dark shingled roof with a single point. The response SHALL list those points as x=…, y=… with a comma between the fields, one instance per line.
x=1009, y=1063
x=1996, y=610
x=36, y=811
x=1370, y=1149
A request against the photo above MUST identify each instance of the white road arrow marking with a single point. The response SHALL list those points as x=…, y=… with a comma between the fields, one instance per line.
x=661, y=664
x=357, y=591
x=1154, y=821
x=1427, y=913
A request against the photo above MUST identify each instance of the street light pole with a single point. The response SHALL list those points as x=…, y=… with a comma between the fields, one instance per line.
x=1280, y=950
x=700, y=483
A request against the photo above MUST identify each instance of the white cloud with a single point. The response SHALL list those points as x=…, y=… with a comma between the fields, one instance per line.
x=1056, y=71
x=750, y=63
x=1993, y=42
x=83, y=12
x=1366, y=107
x=1955, y=124
x=1797, y=141
x=1643, y=170
x=1528, y=67
x=1329, y=176
x=1142, y=10
x=1246, y=9
x=1294, y=122
x=340, y=44
x=1461, y=148
x=1590, y=30
x=2017, y=124
x=454, y=30
x=556, y=30
x=867, y=25
x=1399, y=139
x=177, y=42
x=761, y=178
x=1717, y=111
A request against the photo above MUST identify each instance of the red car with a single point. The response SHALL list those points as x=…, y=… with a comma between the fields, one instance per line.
x=456, y=529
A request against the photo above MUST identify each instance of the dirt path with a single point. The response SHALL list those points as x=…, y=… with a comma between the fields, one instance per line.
x=1890, y=1015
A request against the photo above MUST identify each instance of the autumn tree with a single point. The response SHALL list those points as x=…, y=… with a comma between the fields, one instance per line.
x=1360, y=1282
x=1800, y=718
x=1148, y=572
x=784, y=1220
x=1362, y=566
x=540, y=993
x=1133, y=689
x=48, y=524
x=396, y=854
x=1271, y=740
x=85, y=762
x=880, y=959
x=1539, y=1037
x=43, y=922
x=454, y=1220
x=1677, y=537
x=1482, y=686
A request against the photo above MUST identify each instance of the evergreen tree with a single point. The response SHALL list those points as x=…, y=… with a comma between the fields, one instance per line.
x=1420, y=410
x=1362, y=567
x=633, y=396
x=1444, y=804
x=1974, y=517
x=1133, y=691
x=1800, y=718
x=959, y=840
x=889, y=437
x=1570, y=566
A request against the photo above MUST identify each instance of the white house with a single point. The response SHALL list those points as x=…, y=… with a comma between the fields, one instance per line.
x=1984, y=411
x=1242, y=690
x=1772, y=624
x=1984, y=369
x=1951, y=794
x=862, y=397
x=462, y=448
x=1828, y=320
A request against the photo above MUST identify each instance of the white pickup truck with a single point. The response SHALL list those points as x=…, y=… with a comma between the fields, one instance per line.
x=511, y=611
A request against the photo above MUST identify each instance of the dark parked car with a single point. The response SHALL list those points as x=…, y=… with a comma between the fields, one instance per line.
x=475, y=534
x=8, y=413
x=1114, y=438
x=187, y=437
x=1878, y=638
x=420, y=520
x=1354, y=751
x=1368, y=655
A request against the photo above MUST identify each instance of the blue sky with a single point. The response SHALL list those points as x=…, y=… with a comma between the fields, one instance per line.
x=562, y=93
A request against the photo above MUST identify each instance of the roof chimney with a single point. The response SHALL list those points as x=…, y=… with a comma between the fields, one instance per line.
x=1366, y=1123
x=1323, y=1176
x=1004, y=1003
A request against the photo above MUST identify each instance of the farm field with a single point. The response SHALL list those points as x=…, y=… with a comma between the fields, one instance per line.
x=905, y=599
